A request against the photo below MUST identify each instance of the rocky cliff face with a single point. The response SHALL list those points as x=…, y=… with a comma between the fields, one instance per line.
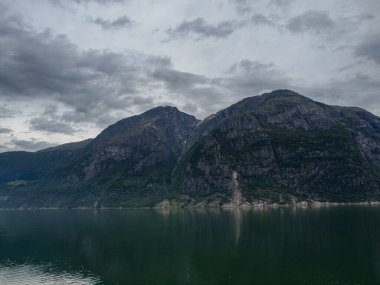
x=133, y=157
x=278, y=147
x=153, y=138
x=282, y=145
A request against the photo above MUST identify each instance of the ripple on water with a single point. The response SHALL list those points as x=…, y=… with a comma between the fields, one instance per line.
x=32, y=274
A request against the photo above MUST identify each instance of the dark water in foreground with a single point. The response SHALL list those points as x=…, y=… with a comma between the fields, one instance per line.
x=337, y=245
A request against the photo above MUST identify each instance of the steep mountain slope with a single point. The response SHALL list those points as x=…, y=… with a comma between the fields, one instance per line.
x=130, y=160
x=279, y=147
x=154, y=138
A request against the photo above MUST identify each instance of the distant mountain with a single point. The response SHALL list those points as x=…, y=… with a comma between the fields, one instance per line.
x=67, y=146
x=279, y=147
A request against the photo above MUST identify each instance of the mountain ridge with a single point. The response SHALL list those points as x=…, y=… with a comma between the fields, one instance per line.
x=278, y=147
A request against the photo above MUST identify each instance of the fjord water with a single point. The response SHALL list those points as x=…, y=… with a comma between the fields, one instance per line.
x=332, y=245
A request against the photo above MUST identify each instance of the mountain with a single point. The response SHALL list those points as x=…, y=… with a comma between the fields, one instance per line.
x=279, y=147
x=128, y=164
x=283, y=147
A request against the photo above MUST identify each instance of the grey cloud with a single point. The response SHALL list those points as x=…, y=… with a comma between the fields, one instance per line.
x=370, y=49
x=31, y=145
x=245, y=78
x=103, y=86
x=190, y=108
x=242, y=6
x=51, y=126
x=4, y=148
x=357, y=90
x=85, y=2
x=201, y=29
x=208, y=93
x=311, y=21
x=49, y=121
x=281, y=3
x=259, y=19
x=100, y=86
x=5, y=131
x=189, y=86
x=248, y=78
x=92, y=82
x=246, y=6
x=365, y=17
x=251, y=77
x=176, y=80
x=98, y=1
x=5, y=112
x=101, y=116
x=121, y=22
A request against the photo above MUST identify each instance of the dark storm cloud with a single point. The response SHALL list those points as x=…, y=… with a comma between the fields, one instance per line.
x=31, y=145
x=121, y=22
x=201, y=29
x=5, y=131
x=370, y=49
x=311, y=21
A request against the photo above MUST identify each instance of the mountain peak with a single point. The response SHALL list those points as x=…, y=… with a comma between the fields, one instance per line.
x=277, y=99
x=161, y=119
x=283, y=92
x=280, y=94
x=166, y=108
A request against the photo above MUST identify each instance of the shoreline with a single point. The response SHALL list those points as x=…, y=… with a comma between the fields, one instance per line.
x=259, y=205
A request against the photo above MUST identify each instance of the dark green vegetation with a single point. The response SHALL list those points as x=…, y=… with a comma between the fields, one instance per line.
x=284, y=246
x=279, y=147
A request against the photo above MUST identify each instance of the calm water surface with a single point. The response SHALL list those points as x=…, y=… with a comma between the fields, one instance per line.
x=336, y=245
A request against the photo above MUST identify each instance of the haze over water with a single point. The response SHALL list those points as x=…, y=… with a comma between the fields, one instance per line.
x=335, y=245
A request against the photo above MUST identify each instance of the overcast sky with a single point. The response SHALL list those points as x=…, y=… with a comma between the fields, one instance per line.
x=69, y=68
